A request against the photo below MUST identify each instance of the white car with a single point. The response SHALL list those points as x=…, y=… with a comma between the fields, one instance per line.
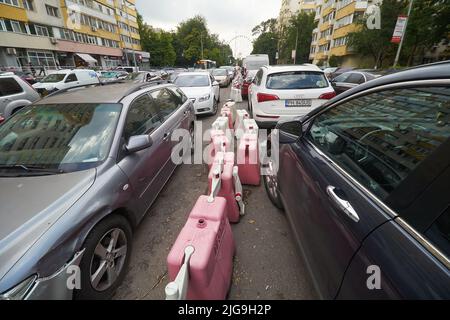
x=202, y=89
x=282, y=93
x=222, y=76
x=65, y=79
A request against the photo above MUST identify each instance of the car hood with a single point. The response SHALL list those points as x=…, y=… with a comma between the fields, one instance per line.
x=47, y=86
x=196, y=92
x=29, y=206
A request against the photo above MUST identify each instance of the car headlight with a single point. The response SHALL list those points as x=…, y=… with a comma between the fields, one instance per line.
x=20, y=291
x=204, y=98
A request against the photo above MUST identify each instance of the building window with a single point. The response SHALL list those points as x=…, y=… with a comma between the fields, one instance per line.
x=28, y=4
x=2, y=25
x=52, y=11
x=342, y=41
x=41, y=58
x=11, y=2
x=41, y=31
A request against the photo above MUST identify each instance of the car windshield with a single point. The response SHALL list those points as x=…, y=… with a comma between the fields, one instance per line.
x=255, y=65
x=192, y=81
x=109, y=75
x=70, y=137
x=296, y=80
x=56, y=77
x=220, y=72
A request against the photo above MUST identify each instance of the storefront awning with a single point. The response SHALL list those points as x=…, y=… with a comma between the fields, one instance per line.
x=87, y=58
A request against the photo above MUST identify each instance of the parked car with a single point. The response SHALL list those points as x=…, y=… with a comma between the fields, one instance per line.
x=350, y=80
x=329, y=72
x=142, y=77
x=64, y=79
x=103, y=157
x=26, y=76
x=202, y=89
x=364, y=181
x=15, y=94
x=285, y=92
x=222, y=76
x=340, y=71
x=251, y=64
x=231, y=71
x=111, y=76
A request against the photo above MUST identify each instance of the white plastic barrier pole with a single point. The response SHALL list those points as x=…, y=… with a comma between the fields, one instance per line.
x=216, y=183
x=177, y=290
x=238, y=190
x=221, y=123
x=250, y=126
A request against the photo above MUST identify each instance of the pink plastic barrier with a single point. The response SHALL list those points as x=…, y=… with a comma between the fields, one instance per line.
x=220, y=143
x=227, y=184
x=211, y=264
x=248, y=160
x=228, y=112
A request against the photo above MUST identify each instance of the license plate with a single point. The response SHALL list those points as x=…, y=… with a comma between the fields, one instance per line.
x=298, y=103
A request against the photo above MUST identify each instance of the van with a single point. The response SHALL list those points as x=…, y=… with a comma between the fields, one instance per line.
x=255, y=61
x=64, y=79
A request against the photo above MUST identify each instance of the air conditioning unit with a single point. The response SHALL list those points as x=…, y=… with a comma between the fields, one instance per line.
x=53, y=40
x=11, y=51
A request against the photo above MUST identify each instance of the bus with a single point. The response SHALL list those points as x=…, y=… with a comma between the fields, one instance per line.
x=205, y=65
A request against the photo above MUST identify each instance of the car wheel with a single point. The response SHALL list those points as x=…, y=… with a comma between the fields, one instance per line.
x=108, y=250
x=215, y=107
x=271, y=185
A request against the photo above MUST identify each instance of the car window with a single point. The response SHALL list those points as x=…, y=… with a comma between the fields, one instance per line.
x=258, y=77
x=166, y=102
x=9, y=86
x=293, y=80
x=355, y=78
x=71, y=78
x=181, y=97
x=439, y=233
x=342, y=77
x=143, y=117
x=382, y=138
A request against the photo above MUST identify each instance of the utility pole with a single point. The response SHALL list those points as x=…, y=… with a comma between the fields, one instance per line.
x=397, y=57
x=201, y=43
x=296, y=47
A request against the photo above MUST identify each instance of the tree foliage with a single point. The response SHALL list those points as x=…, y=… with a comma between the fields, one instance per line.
x=428, y=25
x=267, y=39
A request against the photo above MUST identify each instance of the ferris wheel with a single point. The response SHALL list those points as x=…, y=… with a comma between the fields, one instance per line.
x=234, y=43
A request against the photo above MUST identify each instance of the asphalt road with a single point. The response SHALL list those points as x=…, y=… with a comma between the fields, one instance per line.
x=267, y=264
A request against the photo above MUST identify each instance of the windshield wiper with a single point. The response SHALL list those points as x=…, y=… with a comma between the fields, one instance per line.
x=32, y=169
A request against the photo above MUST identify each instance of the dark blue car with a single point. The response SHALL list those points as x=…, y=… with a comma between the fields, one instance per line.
x=365, y=183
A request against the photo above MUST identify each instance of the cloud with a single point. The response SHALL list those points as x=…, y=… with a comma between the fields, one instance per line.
x=227, y=18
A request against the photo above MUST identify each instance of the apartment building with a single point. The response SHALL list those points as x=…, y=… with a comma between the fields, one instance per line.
x=60, y=33
x=290, y=8
x=336, y=19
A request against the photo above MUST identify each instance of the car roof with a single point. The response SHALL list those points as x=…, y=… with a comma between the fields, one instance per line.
x=112, y=93
x=197, y=73
x=434, y=71
x=285, y=68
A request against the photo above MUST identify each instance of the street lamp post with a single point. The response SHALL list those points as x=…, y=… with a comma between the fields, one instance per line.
x=397, y=57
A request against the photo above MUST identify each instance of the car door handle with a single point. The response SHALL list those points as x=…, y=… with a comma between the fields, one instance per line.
x=344, y=205
x=167, y=136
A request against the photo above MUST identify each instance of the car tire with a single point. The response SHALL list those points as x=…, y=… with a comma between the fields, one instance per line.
x=100, y=250
x=215, y=107
x=272, y=187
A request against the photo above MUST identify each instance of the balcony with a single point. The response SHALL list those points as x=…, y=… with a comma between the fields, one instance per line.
x=361, y=5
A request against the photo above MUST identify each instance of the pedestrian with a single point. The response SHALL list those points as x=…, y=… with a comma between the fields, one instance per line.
x=32, y=70
x=41, y=69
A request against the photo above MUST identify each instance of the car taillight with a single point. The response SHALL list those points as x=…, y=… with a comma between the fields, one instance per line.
x=264, y=97
x=328, y=95
x=1, y=119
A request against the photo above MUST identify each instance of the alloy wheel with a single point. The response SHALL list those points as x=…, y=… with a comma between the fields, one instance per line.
x=108, y=259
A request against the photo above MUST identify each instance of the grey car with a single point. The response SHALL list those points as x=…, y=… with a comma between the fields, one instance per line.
x=15, y=94
x=78, y=172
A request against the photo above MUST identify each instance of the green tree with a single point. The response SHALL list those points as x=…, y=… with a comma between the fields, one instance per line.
x=429, y=24
x=298, y=31
x=267, y=39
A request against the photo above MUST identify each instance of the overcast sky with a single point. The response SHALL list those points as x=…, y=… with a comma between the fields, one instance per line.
x=227, y=18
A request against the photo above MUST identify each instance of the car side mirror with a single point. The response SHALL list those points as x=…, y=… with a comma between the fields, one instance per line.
x=216, y=83
x=138, y=143
x=333, y=83
x=289, y=132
